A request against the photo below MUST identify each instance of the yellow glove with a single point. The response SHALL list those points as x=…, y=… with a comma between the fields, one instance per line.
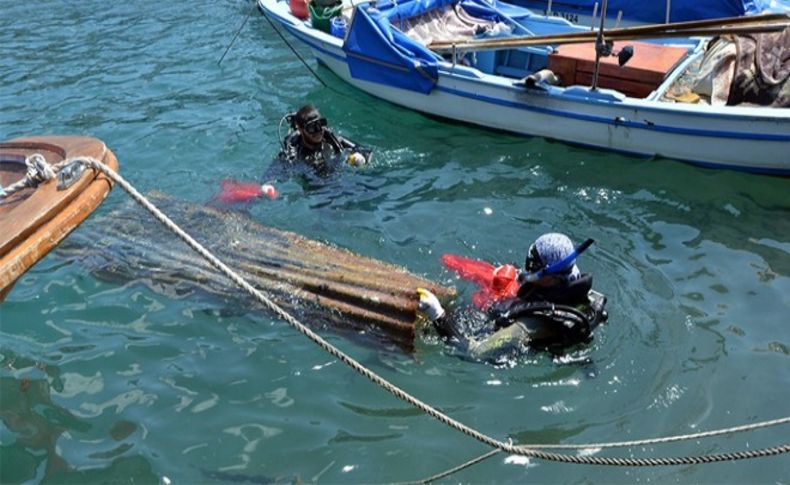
x=429, y=305
x=356, y=159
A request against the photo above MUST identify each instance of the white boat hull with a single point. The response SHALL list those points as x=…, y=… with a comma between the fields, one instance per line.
x=751, y=139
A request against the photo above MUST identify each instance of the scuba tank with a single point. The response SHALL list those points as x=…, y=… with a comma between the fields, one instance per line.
x=555, y=324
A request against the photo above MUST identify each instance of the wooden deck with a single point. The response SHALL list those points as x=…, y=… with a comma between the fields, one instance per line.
x=647, y=69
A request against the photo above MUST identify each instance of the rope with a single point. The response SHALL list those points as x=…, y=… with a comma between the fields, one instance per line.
x=667, y=439
x=38, y=171
x=249, y=14
x=704, y=434
x=315, y=74
x=290, y=46
x=451, y=471
x=528, y=451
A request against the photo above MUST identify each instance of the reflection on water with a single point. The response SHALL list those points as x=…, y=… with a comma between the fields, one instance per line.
x=35, y=429
x=107, y=379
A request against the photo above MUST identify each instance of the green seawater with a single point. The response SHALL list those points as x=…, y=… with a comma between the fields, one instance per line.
x=114, y=382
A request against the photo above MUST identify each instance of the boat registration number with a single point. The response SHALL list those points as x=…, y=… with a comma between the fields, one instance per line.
x=570, y=17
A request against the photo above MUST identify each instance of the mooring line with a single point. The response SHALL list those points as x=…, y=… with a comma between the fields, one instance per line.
x=246, y=18
x=652, y=441
x=509, y=447
x=315, y=74
x=453, y=470
x=365, y=106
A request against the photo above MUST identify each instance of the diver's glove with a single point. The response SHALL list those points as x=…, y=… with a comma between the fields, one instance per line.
x=429, y=305
x=269, y=191
x=356, y=159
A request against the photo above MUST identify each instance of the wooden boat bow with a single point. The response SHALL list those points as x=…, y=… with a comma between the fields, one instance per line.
x=34, y=220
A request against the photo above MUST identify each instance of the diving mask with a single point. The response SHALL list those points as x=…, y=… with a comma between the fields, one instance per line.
x=555, y=268
x=533, y=262
x=315, y=125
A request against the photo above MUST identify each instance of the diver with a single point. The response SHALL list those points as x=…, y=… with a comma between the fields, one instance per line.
x=310, y=142
x=551, y=306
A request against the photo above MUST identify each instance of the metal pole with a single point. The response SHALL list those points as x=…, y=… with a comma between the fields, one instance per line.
x=599, y=42
x=619, y=18
x=734, y=25
x=669, y=7
x=595, y=12
x=548, y=10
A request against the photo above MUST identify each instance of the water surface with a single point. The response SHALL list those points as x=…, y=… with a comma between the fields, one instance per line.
x=115, y=381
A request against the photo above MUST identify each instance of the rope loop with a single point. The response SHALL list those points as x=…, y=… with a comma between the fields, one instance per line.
x=38, y=170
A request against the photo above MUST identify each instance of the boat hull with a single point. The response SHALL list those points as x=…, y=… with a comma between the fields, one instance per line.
x=750, y=139
x=34, y=221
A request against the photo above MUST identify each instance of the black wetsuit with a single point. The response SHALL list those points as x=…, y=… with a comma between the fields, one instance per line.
x=541, y=318
x=297, y=158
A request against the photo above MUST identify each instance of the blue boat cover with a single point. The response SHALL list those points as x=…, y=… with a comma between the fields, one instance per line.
x=379, y=53
x=375, y=52
x=654, y=11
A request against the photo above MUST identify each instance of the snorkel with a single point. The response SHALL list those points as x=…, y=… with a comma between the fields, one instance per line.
x=559, y=266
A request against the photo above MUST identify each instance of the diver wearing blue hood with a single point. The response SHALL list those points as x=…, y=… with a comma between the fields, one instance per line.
x=555, y=306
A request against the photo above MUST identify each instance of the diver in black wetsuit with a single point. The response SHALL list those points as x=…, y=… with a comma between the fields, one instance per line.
x=555, y=306
x=311, y=144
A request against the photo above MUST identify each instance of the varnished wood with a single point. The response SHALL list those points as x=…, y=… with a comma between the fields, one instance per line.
x=34, y=221
x=575, y=64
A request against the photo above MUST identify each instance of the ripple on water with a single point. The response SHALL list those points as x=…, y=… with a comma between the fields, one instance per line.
x=104, y=377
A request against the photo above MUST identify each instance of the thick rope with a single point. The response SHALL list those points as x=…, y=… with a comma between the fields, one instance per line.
x=667, y=439
x=704, y=434
x=436, y=414
x=38, y=171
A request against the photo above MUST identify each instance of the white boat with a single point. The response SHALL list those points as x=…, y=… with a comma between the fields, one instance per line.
x=634, y=12
x=376, y=57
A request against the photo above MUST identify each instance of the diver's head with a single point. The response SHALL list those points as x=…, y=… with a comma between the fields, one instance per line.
x=310, y=124
x=550, y=249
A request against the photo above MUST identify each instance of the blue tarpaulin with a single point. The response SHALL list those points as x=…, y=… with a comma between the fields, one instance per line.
x=653, y=11
x=377, y=53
